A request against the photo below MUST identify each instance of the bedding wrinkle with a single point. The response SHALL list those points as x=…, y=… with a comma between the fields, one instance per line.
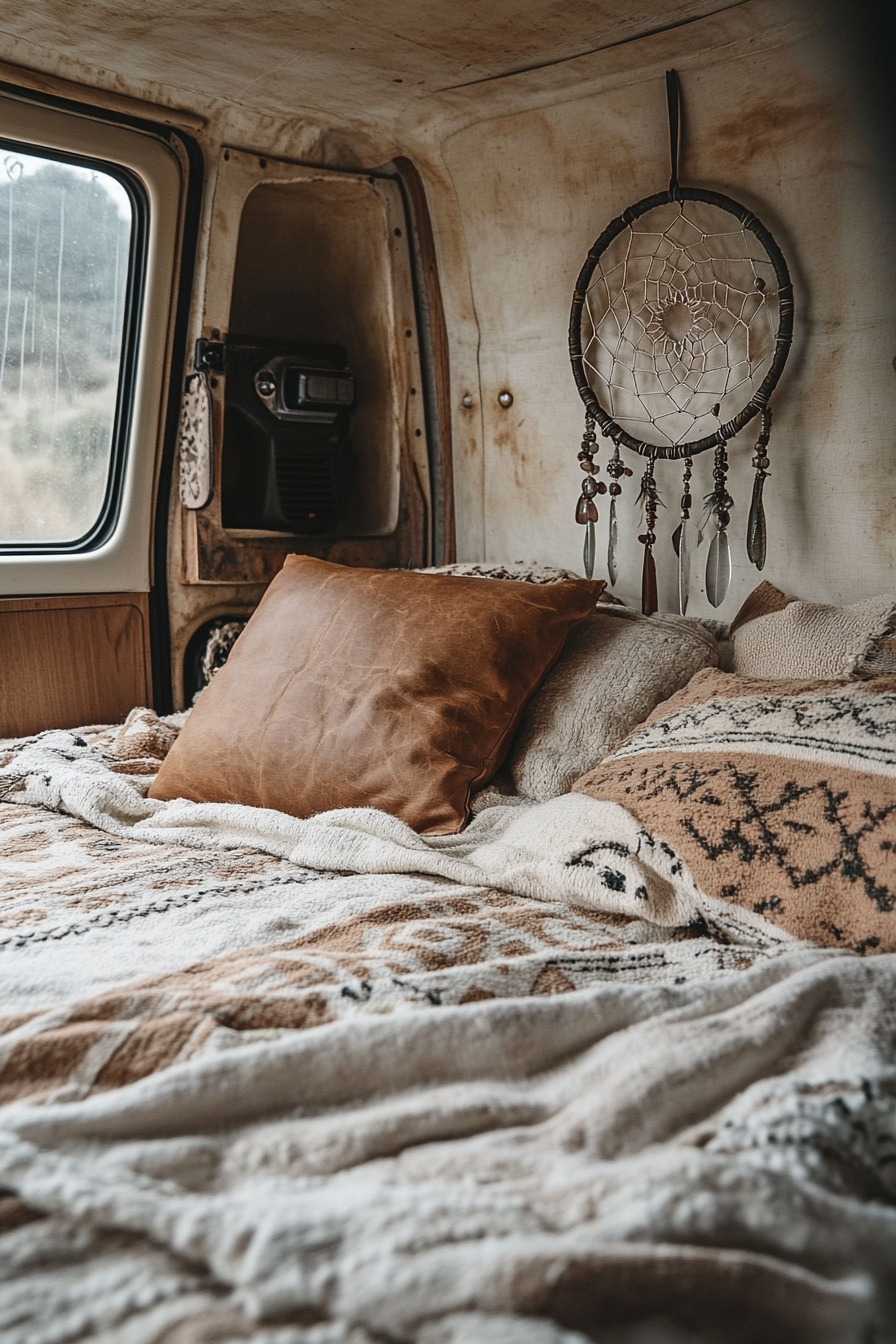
x=529, y=1076
x=347, y=1063
x=517, y=1151
x=659, y=1093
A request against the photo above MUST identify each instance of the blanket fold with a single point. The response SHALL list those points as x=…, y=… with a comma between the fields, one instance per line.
x=569, y=849
x=328, y=1082
x=738, y=1133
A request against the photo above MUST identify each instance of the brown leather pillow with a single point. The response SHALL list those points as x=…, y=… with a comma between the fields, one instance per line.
x=372, y=688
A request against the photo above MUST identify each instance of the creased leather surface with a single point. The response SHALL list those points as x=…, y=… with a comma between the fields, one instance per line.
x=372, y=688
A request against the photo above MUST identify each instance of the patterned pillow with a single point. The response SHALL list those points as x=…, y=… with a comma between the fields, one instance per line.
x=779, y=796
x=521, y=571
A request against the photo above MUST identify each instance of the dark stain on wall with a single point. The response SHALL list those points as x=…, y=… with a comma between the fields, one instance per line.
x=771, y=123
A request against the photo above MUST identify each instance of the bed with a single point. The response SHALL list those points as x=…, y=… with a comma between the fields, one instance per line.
x=333, y=1081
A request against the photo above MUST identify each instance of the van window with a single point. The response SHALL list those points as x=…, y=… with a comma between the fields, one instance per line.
x=66, y=280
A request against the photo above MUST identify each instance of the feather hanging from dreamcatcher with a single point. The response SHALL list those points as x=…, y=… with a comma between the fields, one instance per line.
x=681, y=323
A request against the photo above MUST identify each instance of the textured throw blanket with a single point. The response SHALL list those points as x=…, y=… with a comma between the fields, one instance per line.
x=569, y=849
x=327, y=1083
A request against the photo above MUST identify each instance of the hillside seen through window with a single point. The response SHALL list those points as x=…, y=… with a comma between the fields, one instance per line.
x=64, y=256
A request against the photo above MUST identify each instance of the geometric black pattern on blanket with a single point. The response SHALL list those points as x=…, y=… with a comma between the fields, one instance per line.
x=853, y=719
x=779, y=797
x=763, y=828
x=436, y=945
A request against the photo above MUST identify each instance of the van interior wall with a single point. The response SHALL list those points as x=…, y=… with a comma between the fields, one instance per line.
x=773, y=119
x=523, y=172
x=527, y=148
x=344, y=297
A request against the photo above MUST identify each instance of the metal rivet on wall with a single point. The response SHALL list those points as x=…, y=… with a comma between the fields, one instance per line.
x=466, y=401
x=505, y=398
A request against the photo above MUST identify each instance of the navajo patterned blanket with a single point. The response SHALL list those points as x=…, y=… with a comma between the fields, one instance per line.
x=327, y=1083
x=780, y=797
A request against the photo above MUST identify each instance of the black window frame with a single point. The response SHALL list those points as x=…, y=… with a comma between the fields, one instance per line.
x=107, y=520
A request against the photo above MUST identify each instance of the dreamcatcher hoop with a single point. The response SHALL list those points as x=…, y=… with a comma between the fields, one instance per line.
x=691, y=321
x=747, y=221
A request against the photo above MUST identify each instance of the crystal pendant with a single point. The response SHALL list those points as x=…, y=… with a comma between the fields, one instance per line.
x=612, y=567
x=648, y=583
x=588, y=556
x=756, y=531
x=684, y=565
x=718, y=568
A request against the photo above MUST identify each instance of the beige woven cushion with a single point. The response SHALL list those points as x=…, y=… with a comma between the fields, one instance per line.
x=615, y=669
x=813, y=640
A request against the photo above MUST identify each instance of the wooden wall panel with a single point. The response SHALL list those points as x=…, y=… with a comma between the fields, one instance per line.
x=67, y=661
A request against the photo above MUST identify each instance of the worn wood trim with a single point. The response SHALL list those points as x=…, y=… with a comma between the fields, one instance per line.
x=214, y=555
x=72, y=660
x=416, y=191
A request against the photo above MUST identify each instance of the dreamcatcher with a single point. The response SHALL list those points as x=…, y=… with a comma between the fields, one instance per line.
x=681, y=323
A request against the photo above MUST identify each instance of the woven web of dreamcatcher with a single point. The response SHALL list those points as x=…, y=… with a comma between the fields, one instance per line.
x=679, y=322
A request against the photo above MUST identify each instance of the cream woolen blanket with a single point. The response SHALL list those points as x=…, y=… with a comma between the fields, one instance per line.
x=715, y=1146
x=719, y=1153
x=569, y=849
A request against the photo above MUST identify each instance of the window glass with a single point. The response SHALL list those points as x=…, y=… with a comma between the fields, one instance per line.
x=65, y=233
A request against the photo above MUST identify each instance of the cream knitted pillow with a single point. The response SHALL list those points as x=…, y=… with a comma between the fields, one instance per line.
x=614, y=671
x=813, y=640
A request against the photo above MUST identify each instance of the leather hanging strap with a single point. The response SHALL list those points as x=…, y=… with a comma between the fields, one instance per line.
x=673, y=98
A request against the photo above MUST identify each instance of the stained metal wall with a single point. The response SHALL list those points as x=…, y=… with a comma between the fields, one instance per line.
x=527, y=147
x=775, y=118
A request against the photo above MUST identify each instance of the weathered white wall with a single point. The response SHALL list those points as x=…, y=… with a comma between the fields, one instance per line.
x=771, y=119
x=522, y=172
